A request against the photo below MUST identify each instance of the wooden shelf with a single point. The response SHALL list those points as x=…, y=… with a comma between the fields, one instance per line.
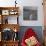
x=5, y=25
x=10, y=26
x=9, y=43
x=9, y=8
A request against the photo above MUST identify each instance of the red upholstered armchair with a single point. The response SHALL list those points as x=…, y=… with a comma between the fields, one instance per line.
x=30, y=39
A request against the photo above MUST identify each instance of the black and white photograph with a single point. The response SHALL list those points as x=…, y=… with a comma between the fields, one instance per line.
x=30, y=13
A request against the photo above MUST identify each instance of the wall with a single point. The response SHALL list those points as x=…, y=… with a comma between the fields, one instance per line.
x=32, y=3
x=21, y=3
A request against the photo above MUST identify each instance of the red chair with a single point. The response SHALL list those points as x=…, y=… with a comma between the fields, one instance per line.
x=29, y=33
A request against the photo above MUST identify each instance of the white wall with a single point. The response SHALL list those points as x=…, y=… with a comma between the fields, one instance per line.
x=6, y=3
x=32, y=3
x=21, y=3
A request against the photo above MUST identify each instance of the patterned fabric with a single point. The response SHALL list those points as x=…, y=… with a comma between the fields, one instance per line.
x=30, y=35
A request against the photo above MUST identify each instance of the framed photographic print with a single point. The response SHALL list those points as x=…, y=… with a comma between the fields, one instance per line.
x=31, y=16
x=5, y=12
x=13, y=12
x=29, y=13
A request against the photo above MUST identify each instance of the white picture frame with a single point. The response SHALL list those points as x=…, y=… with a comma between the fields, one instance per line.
x=38, y=22
x=5, y=12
